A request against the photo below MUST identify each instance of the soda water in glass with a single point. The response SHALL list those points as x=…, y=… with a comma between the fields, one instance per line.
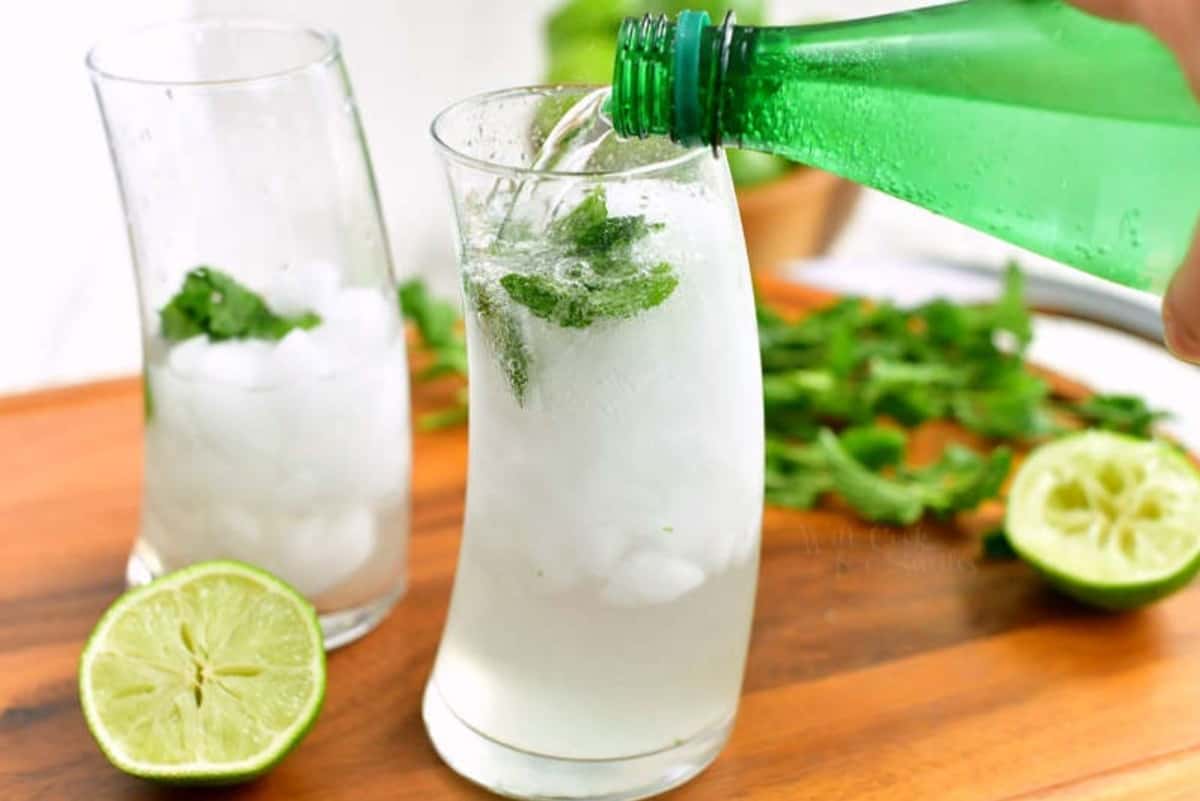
x=602, y=604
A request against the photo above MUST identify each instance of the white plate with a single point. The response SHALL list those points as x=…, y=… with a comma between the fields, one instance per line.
x=1101, y=356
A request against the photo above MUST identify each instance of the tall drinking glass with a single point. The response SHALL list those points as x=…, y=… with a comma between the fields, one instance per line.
x=602, y=605
x=276, y=394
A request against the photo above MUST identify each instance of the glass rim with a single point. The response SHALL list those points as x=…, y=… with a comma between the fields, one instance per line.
x=508, y=170
x=329, y=52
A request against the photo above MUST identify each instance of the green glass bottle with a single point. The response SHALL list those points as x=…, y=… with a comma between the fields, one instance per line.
x=1069, y=135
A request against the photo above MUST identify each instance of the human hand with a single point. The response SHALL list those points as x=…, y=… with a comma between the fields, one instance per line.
x=1177, y=24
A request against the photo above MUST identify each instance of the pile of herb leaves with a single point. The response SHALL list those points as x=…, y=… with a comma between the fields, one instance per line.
x=843, y=386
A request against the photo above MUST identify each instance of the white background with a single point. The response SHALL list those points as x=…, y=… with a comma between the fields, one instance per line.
x=67, y=306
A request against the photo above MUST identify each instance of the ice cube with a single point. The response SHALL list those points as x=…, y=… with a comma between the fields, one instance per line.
x=645, y=578
x=186, y=358
x=238, y=363
x=350, y=540
x=240, y=437
x=283, y=546
x=237, y=532
x=297, y=358
x=301, y=288
x=378, y=437
x=317, y=553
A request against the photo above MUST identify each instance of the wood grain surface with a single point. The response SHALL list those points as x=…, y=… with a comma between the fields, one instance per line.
x=885, y=664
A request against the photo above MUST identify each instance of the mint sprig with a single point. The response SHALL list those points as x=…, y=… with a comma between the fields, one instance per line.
x=212, y=303
x=578, y=305
x=608, y=283
x=584, y=269
x=503, y=332
x=588, y=232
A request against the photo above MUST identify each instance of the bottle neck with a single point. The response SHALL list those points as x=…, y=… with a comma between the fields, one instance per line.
x=668, y=78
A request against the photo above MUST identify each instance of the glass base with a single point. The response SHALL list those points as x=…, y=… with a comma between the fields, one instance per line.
x=339, y=628
x=515, y=773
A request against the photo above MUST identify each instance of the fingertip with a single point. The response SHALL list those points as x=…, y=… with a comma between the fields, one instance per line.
x=1181, y=326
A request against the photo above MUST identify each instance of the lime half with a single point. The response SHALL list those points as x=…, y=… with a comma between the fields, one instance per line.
x=209, y=675
x=1110, y=520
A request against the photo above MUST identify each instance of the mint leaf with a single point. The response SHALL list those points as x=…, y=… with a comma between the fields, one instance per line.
x=1009, y=404
x=550, y=299
x=873, y=497
x=211, y=302
x=850, y=464
x=435, y=319
x=578, y=305
x=588, y=231
x=1126, y=414
x=795, y=475
x=910, y=392
x=635, y=294
x=608, y=283
x=875, y=447
x=805, y=387
x=799, y=491
x=503, y=332
x=438, y=335
x=178, y=324
x=436, y=322
x=974, y=328
x=443, y=418
x=961, y=479
x=1010, y=313
x=577, y=224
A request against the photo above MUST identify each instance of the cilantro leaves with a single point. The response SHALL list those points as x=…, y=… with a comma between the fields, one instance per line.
x=212, y=303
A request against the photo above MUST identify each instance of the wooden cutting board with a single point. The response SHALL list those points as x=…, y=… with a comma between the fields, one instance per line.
x=885, y=665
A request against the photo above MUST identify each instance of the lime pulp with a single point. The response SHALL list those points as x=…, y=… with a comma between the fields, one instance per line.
x=209, y=675
x=1111, y=520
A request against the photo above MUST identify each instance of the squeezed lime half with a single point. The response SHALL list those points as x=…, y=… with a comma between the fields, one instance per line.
x=209, y=675
x=1111, y=520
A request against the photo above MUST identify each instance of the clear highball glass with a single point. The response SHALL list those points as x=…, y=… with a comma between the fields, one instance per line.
x=602, y=604
x=276, y=386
